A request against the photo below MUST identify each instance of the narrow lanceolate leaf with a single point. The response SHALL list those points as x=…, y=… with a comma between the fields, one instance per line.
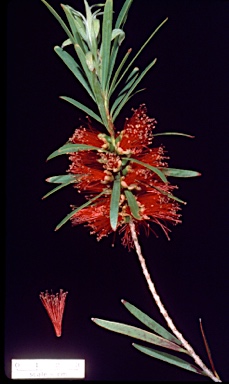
x=123, y=92
x=125, y=99
x=100, y=100
x=174, y=134
x=138, y=333
x=114, y=205
x=57, y=188
x=116, y=75
x=74, y=67
x=114, y=51
x=154, y=169
x=169, y=358
x=150, y=323
x=83, y=107
x=70, y=148
x=62, y=179
x=140, y=50
x=82, y=59
x=77, y=210
x=63, y=25
x=179, y=172
x=123, y=14
x=106, y=40
x=168, y=194
x=134, y=208
x=77, y=37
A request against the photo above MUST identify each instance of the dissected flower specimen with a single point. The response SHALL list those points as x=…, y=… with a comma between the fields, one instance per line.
x=54, y=305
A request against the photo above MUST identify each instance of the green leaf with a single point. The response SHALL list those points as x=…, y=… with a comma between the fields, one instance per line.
x=83, y=107
x=132, y=204
x=62, y=179
x=150, y=323
x=59, y=187
x=114, y=80
x=114, y=205
x=140, y=50
x=179, y=172
x=74, y=67
x=116, y=44
x=82, y=58
x=106, y=40
x=100, y=101
x=71, y=20
x=123, y=14
x=89, y=202
x=168, y=194
x=138, y=333
x=64, y=26
x=125, y=99
x=169, y=358
x=154, y=169
x=118, y=33
x=70, y=148
x=122, y=93
x=173, y=133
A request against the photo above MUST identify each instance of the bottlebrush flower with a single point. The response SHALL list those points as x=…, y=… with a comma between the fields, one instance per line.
x=54, y=305
x=143, y=196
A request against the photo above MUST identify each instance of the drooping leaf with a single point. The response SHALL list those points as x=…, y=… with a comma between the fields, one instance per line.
x=150, y=323
x=114, y=205
x=138, y=333
x=134, y=208
x=169, y=358
x=68, y=217
x=69, y=148
x=74, y=67
x=154, y=169
x=83, y=107
x=179, y=172
x=118, y=33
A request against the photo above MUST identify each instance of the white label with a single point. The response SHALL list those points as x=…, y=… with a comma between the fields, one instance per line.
x=47, y=369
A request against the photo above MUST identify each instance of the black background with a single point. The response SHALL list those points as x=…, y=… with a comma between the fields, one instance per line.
x=187, y=91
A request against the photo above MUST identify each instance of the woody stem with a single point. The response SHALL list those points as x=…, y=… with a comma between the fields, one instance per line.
x=162, y=309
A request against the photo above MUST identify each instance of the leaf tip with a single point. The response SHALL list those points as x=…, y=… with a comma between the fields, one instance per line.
x=123, y=301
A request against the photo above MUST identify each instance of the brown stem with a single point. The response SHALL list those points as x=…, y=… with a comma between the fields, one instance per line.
x=162, y=309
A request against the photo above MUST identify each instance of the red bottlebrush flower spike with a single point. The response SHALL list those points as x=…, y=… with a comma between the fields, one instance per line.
x=143, y=195
x=54, y=305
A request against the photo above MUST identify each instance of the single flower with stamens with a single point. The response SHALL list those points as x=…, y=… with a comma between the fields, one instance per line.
x=54, y=305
